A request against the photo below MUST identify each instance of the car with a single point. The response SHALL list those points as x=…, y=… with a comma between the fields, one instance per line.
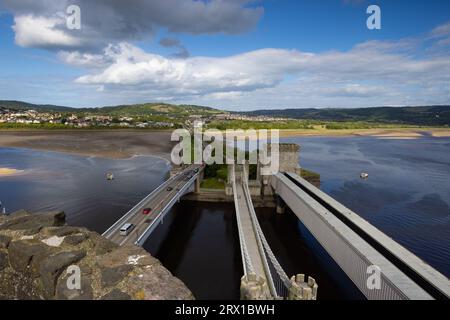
x=196, y=170
x=126, y=229
x=169, y=189
x=146, y=211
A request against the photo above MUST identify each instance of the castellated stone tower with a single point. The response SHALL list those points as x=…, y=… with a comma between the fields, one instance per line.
x=301, y=289
x=285, y=154
x=289, y=157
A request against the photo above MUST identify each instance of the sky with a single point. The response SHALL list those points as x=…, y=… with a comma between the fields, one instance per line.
x=228, y=54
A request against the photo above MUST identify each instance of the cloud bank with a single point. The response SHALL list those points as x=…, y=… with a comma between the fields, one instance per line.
x=110, y=21
x=413, y=70
x=369, y=69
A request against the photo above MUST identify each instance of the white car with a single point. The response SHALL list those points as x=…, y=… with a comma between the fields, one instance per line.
x=126, y=229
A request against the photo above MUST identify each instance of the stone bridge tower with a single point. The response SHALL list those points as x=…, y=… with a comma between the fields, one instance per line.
x=288, y=161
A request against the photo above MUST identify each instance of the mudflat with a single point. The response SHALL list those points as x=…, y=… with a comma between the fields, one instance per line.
x=398, y=133
x=120, y=144
x=108, y=144
x=9, y=172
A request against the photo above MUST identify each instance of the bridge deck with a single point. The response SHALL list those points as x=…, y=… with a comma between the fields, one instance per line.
x=158, y=201
x=358, y=247
x=249, y=232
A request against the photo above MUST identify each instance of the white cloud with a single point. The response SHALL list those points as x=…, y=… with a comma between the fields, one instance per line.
x=38, y=31
x=442, y=33
x=369, y=69
x=355, y=90
x=407, y=71
x=442, y=30
x=200, y=75
x=40, y=23
x=84, y=60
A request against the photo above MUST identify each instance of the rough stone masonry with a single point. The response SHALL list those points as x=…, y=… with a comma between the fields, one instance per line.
x=36, y=251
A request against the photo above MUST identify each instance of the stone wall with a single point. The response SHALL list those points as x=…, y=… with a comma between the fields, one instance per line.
x=39, y=253
x=289, y=157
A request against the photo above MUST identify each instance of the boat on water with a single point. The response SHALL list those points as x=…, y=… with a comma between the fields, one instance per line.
x=364, y=175
x=2, y=208
x=109, y=176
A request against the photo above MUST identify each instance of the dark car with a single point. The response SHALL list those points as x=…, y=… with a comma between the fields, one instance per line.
x=146, y=211
x=169, y=189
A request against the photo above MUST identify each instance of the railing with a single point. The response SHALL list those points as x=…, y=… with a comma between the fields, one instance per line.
x=279, y=282
x=143, y=237
x=246, y=261
x=428, y=278
x=346, y=248
x=119, y=222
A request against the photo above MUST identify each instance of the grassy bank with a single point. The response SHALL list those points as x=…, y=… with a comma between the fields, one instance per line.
x=212, y=183
x=62, y=127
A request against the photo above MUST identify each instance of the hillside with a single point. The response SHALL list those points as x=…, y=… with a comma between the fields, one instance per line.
x=156, y=109
x=144, y=109
x=20, y=105
x=424, y=115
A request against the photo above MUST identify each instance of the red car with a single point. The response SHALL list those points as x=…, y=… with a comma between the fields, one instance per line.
x=147, y=211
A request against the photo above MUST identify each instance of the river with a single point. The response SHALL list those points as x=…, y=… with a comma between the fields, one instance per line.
x=407, y=196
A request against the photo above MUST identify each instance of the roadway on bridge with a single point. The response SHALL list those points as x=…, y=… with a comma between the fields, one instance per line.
x=156, y=202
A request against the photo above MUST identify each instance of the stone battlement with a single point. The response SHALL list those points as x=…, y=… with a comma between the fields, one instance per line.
x=288, y=147
x=37, y=252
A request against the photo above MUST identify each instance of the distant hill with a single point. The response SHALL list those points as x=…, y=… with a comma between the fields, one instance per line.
x=20, y=105
x=158, y=109
x=425, y=115
x=120, y=110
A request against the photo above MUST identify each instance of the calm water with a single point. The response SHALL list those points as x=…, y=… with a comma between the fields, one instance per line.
x=78, y=185
x=406, y=196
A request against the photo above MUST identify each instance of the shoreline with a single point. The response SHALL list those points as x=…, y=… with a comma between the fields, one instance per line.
x=10, y=172
x=104, y=144
x=400, y=133
x=114, y=144
x=380, y=133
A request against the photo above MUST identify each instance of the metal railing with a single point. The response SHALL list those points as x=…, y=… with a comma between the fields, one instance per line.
x=276, y=278
x=279, y=282
x=143, y=237
x=246, y=261
x=119, y=222
x=345, y=247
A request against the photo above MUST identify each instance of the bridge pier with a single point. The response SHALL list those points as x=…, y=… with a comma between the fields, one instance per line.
x=301, y=290
x=197, y=186
x=198, y=182
x=254, y=287
x=281, y=206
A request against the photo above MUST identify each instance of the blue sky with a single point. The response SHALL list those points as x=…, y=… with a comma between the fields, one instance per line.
x=236, y=54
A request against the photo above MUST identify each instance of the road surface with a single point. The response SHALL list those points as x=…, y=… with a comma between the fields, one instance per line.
x=157, y=201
